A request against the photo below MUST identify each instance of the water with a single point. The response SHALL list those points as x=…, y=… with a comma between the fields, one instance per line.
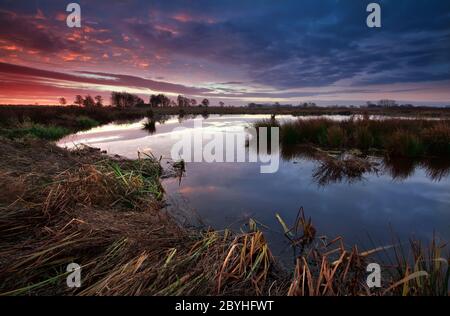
x=405, y=197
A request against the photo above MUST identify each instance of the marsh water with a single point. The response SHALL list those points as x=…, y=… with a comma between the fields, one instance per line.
x=404, y=198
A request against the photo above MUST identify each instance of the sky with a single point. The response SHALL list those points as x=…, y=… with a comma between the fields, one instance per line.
x=233, y=51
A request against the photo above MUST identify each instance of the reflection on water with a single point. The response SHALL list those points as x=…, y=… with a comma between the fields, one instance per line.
x=411, y=197
x=346, y=166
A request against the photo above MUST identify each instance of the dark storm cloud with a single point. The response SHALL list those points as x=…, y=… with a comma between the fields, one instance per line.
x=29, y=33
x=288, y=44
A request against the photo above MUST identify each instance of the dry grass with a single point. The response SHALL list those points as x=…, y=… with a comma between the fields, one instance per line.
x=395, y=137
x=103, y=213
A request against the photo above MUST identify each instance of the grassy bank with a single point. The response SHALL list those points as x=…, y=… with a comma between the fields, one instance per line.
x=52, y=122
x=59, y=207
x=395, y=137
x=105, y=214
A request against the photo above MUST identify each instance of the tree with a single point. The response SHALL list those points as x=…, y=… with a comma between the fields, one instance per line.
x=205, y=102
x=78, y=100
x=159, y=100
x=221, y=104
x=387, y=103
x=193, y=102
x=125, y=100
x=183, y=101
x=164, y=101
x=89, y=101
x=154, y=101
x=137, y=101
x=98, y=100
x=370, y=104
x=62, y=101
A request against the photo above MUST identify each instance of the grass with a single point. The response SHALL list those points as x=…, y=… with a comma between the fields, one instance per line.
x=53, y=122
x=327, y=268
x=411, y=138
x=420, y=270
x=48, y=115
x=36, y=130
x=105, y=214
x=84, y=122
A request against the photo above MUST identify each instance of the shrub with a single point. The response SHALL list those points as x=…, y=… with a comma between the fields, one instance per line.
x=85, y=122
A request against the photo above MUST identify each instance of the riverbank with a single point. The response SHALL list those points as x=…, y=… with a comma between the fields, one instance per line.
x=106, y=214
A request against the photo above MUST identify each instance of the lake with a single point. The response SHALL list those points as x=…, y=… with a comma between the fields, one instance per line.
x=404, y=198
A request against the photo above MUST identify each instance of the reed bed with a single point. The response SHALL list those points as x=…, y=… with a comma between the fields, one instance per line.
x=328, y=268
x=411, y=138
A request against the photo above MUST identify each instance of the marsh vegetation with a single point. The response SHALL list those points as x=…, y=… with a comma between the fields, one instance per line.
x=107, y=213
x=411, y=138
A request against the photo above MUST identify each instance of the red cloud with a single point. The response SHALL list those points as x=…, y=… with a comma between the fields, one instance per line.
x=27, y=82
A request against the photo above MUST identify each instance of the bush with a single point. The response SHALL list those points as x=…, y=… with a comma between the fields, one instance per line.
x=85, y=122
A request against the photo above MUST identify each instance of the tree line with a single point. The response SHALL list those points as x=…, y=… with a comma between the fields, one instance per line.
x=128, y=100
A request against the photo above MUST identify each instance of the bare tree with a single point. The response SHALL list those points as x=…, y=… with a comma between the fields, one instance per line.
x=89, y=101
x=78, y=100
x=98, y=100
x=159, y=100
x=165, y=101
x=154, y=101
x=183, y=101
x=125, y=100
x=62, y=101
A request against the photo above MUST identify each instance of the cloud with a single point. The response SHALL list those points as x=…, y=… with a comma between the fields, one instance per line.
x=234, y=48
x=116, y=80
x=303, y=44
x=31, y=32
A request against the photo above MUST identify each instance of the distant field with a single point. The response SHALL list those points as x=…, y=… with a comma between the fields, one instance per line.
x=103, y=114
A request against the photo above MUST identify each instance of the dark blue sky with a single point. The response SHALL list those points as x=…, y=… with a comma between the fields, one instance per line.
x=236, y=51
